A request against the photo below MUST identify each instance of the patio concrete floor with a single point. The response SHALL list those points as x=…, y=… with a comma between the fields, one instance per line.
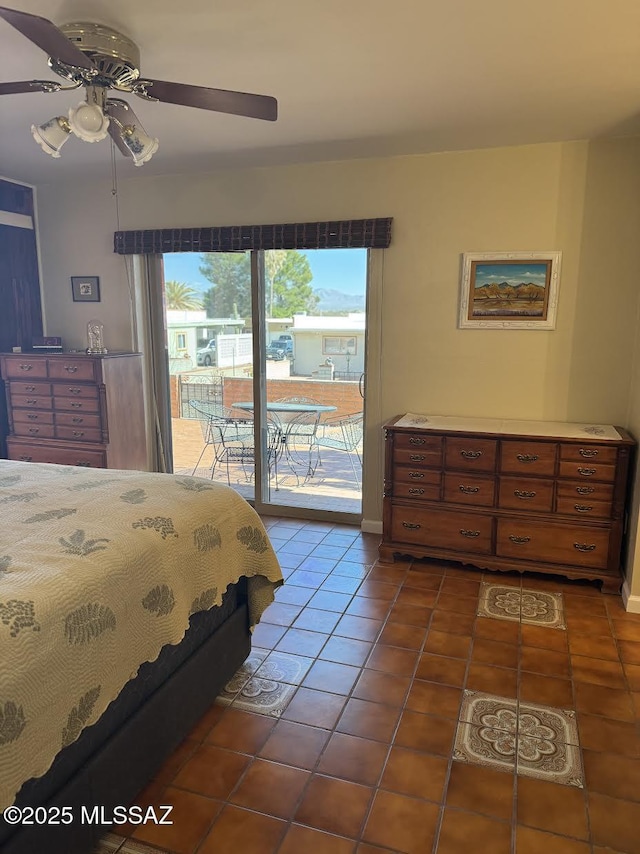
x=332, y=487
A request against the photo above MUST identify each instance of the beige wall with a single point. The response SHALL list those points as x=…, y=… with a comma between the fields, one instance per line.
x=581, y=198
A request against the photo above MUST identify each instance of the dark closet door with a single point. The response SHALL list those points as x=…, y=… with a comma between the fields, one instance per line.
x=20, y=309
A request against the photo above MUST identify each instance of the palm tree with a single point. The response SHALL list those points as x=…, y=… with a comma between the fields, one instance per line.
x=181, y=296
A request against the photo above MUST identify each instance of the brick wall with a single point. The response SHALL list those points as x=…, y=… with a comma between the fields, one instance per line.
x=344, y=395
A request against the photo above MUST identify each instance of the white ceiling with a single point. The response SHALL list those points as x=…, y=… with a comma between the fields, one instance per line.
x=353, y=78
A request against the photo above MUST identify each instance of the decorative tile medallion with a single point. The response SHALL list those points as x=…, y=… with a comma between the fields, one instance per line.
x=265, y=686
x=534, y=607
x=242, y=675
x=284, y=667
x=532, y=740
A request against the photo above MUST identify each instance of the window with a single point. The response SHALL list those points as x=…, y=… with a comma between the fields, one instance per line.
x=181, y=341
x=339, y=346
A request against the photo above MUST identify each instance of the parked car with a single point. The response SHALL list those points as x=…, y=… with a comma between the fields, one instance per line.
x=276, y=352
x=207, y=355
x=284, y=342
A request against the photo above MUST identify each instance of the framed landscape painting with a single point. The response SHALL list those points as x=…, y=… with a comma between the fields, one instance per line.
x=509, y=290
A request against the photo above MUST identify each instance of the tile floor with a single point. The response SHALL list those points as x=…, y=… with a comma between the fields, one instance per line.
x=416, y=708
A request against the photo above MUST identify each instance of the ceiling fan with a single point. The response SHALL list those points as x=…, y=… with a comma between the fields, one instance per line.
x=102, y=59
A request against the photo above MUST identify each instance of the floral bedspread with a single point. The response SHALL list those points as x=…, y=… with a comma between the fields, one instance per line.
x=99, y=569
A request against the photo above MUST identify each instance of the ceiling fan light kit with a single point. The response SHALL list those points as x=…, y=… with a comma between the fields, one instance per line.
x=100, y=58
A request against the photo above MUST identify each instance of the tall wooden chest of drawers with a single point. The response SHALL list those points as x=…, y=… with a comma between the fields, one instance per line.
x=75, y=409
x=507, y=495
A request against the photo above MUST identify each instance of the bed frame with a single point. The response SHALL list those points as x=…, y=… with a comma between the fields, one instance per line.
x=112, y=762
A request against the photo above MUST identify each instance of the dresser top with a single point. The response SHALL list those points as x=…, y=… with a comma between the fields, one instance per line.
x=547, y=429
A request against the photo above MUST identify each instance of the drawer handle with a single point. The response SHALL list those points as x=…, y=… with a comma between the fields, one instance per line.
x=76, y=405
x=75, y=390
x=585, y=490
x=466, y=533
x=582, y=508
x=26, y=459
x=34, y=430
x=78, y=432
x=468, y=490
x=584, y=547
x=71, y=369
x=416, y=490
x=527, y=458
x=586, y=472
x=411, y=525
x=29, y=388
x=417, y=458
x=32, y=401
x=77, y=420
x=84, y=463
x=519, y=540
x=32, y=416
x=416, y=475
x=471, y=455
x=413, y=440
x=26, y=367
x=585, y=452
x=520, y=493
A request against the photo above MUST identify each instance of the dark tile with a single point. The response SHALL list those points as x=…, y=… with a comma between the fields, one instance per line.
x=499, y=654
x=552, y=807
x=325, y=600
x=457, y=624
x=336, y=806
x=359, y=628
x=406, y=637
x=608, y=736
x=313, y=841
x=595, y=647
x=418, y=775
x=333, y=677
x=302, y=642
x=346, y=650
x=212, y=771
x=266, y=635
x=425, y=732
x=438, y=668
x=545, y=661
x=479, y=789
x=382, y=687
x=541, y=636
x=376, y=609
x=378, y=590
x=401, y=823
x=295, y=744
x=434, y=699
x=612, y=774
x=270, y=788
x=238, y=829
x=416, y=597
x=410, y=615
x=493, y=680
x=614, y=823
x=315, y=620
x=505, y=631
x=462, y=831
x=442, y=643
x=293, y=595
x=241, y=731
x=192, y=814
x=316, y=708
x=536, y=688
x=368, y=720
x=530, y=841
x=391, y=659
x=359, y=760
x=598, y=672
x=607, y=702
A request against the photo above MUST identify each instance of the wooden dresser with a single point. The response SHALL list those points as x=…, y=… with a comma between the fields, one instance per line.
x=75, y=409
x=507, y=495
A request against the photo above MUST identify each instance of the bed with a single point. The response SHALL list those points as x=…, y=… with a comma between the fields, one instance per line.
x=126, y=603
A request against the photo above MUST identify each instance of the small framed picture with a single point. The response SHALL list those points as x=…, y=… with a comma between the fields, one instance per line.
x=85, y=288
x=509, y=290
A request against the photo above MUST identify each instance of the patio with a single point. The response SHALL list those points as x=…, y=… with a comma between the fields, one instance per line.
x=332, y=486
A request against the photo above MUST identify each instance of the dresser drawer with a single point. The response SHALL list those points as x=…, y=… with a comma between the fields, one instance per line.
x=584, y=492
x=587, y=470
x=463, y=532
x=77, y=369
x=72, y=419
x=421, y=442
x=34, y=431
x=425, y=457
x=70, y=390
x=37, y=417
x=469, y=489
x=549, y=543
x=583, y=508
x=29, y=389
x=521, y=493
x=589, y=453
x=522, y=457
x=23, y=366
x=416, y=483
x=470, y=454
x=28, y=401
x=72, y=404
x=53, y=453
x=79, y=434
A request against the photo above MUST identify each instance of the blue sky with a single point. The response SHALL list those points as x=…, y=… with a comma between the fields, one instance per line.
x=514, y=273
x=337, y=269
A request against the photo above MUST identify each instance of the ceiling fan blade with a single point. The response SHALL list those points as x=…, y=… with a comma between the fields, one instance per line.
x=47, y=36
x=21, y=86
x=218, y=100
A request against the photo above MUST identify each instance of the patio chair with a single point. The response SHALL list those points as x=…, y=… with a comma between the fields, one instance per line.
x=300, y=444
x=210, y=414
x=233, y=442
x=343, y=433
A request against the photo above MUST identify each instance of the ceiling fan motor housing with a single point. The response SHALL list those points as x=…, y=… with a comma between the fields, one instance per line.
x=116, y=56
